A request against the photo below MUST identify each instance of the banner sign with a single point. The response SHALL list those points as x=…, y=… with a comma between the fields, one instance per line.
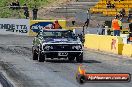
x=14, y=26
x=37, y=25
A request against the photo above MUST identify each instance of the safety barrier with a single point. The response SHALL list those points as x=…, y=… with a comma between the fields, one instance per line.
x=105, y=43
x=127, y=50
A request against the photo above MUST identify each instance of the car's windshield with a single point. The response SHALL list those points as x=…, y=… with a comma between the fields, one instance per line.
x=58, y=34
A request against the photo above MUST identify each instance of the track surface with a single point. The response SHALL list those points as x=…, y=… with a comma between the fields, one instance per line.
x=16, y=60
x=4, y=82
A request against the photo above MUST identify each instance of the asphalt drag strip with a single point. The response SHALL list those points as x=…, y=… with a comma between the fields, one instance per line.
x=4, y=82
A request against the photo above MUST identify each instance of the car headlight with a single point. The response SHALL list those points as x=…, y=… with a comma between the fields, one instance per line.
x=77, y=47
x=48, y=47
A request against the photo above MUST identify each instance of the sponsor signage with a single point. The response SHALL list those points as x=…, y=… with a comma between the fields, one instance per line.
x=14, y=26
x=82, y=76
x=37, y=25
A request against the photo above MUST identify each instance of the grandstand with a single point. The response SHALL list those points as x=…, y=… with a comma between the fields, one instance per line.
x=101, y=7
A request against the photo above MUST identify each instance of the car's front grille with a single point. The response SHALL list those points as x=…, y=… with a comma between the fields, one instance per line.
x=62, y=47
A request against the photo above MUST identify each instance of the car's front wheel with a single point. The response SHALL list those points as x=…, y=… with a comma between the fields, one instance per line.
x=81, y=79
x=35, y=55
x=79, y=58
x=41, y=57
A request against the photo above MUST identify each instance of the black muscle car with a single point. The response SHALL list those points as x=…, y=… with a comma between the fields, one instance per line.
x=57, y=43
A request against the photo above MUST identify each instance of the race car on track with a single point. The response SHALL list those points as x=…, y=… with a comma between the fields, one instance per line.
x=57, y=43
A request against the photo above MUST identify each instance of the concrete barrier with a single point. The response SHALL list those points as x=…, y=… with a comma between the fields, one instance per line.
x=110, y=44
x=105, y=43
x=127, y=50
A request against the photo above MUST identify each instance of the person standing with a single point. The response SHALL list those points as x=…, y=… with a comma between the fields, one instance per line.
x=17, y=4
x=88, y=18
x=116, y=25
x=26, y=12
x=35, y=11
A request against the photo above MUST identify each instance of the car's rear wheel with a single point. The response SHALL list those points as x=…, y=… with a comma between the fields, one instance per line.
x=35, y=55
x=79, y=58
x=41, y=57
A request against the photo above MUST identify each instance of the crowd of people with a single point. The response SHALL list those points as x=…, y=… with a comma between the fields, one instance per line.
x=110, y=5
x=122, y=12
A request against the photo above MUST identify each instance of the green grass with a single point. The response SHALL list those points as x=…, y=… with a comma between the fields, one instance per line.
x=5, y=12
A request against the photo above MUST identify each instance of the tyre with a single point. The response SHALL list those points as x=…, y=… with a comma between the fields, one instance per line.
x=81, y=80
x=71, y=58
x=79, y=58
x=35, y=55
x=41, y=57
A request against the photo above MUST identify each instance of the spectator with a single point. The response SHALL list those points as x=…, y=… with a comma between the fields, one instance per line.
x=130, y=27
x=88, y=19
x=120, y=23
x=35, y=10
x=122, y=12
x=116, y=26
x=12, y=5
x=130, y=30
x=113, y=5
x=119, y=0
x=25, y=8
x=129, y=15
x=17, y=4
x=26, y=12
x=108, y=4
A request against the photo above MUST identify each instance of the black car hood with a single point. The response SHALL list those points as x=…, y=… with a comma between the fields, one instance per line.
x=61, y=40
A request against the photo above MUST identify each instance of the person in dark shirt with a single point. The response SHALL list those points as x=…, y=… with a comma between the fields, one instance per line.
x=130, y=26
x=35, y=11
x=130, y=31
x=108, y=5
x=122, y=12
x=17, y=4
x=26, y=12
x=129, y=15
x=25, y=8
x=13, y=4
